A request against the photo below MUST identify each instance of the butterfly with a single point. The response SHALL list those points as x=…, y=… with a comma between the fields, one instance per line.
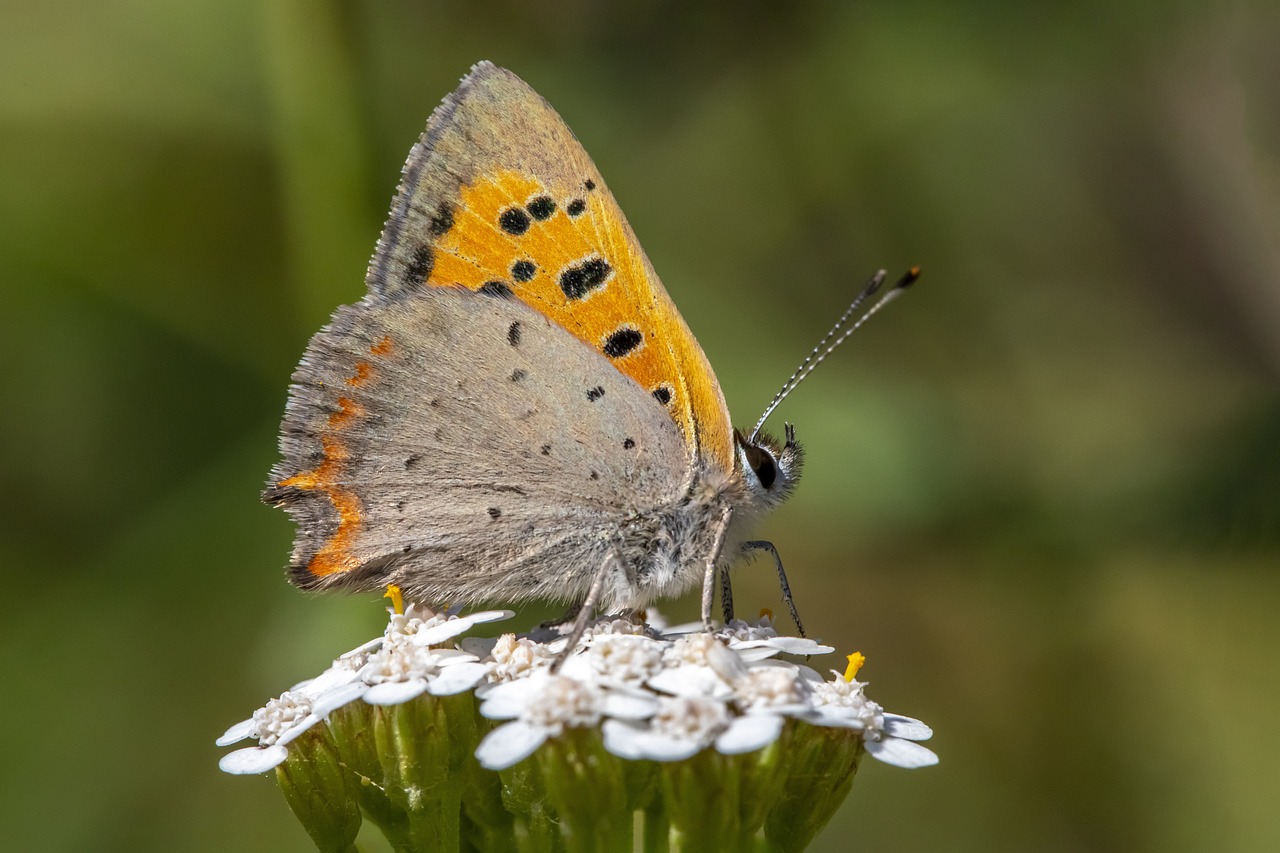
x=516, y=410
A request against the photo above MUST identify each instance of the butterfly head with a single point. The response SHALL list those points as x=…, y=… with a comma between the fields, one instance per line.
x=771, y=468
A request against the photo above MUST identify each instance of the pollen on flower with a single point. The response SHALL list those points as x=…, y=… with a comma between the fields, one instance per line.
x=767, y=687
x=623, y=658
x=279, y=716
x=397, y=597
x=690, y=718
x=856, y=660
x=515, y=657
x=691, y=648
x=564, y=703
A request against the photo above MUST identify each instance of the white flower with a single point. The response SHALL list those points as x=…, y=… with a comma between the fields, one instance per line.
x=275, y=725
x=620, y=658
x=772, y=689
x=512, y=657
x=887, y=737
x=421, y=627
x=404, y=671
x=662, y=697
x=542, y=706
x=387, y=670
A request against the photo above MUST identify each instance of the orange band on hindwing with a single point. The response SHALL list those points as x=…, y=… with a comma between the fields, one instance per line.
x=336, y=555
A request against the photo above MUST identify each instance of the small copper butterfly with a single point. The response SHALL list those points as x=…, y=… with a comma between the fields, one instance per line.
x=516, y=410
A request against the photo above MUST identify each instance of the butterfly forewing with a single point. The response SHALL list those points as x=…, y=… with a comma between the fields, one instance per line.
x=498, y=196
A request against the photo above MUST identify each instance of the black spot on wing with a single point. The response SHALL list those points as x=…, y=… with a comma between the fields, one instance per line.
x=420, y=266
x=513, y=334
x=622, y=341
x=628, y=443
x=583, y=277
x=442, y=221
x=541, y=208
x=517, y=375
x=495, y=513
x=495, y=288
x=589, y=184
x=523, y=270
x=576, y=207
x=595, y=393
x=514, y=221
x=662, y=394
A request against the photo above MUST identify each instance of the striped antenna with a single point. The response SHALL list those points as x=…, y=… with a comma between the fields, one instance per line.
x=840, y=334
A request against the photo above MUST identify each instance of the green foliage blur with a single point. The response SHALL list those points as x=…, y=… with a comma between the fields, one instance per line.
x=1043, y=494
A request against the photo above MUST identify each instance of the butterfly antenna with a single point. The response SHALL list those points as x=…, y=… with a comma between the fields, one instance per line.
x=868, y=290
x=826, y=346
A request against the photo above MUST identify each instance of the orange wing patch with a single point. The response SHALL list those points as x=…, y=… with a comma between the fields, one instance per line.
x=569, y=257
x=336, y=555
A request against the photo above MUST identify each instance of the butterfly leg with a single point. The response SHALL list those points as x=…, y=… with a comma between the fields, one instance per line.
x=713, y=559
x=612, y=562
x=569, y=615
x=726, y=594
x=762, y=545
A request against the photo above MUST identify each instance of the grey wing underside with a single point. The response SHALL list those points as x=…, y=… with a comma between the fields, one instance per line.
x=464, y=447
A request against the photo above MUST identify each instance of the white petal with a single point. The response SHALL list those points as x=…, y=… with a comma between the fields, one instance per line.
x=801, y=646
x=658, y=747
x=901, y=753
x=627, y=706
x=622, y=739
x=481, y=647
x=832, y=718
x=252, y=760
x=754, y=653
x=509, y=744
x=490, y=616
x=691, y=680
x=445, y=657
x=238, y=732
x=684, y=628
x=454, y=627
x=627, y=740
x=332, y=677
x=439, y=633
x=809, y=674
x=457, y=678
x=908, y=728
x=578, y=667
x=749, y=733
x=725, y=662
x=508, y=700
x=395, y=692
x=298, y=728
x=328, y=702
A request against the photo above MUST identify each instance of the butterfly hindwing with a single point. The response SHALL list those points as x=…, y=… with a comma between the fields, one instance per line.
x=453, y=442
x=498, y=196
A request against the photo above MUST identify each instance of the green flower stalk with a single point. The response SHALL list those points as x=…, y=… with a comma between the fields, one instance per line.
x=645, y=739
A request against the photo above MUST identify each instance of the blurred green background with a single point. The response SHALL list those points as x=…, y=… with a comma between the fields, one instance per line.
x=1044, y=490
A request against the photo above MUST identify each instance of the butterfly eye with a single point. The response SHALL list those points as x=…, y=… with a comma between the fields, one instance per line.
x=766, y=471
x=762, y=463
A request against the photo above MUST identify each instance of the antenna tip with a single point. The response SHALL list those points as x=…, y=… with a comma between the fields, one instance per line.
x=872, y=285
x=908, y=278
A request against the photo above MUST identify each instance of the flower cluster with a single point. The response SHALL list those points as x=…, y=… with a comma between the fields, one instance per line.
x=667, y=738
x=656, y=695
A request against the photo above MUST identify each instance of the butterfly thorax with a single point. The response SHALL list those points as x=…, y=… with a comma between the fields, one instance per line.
x=666, y=550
